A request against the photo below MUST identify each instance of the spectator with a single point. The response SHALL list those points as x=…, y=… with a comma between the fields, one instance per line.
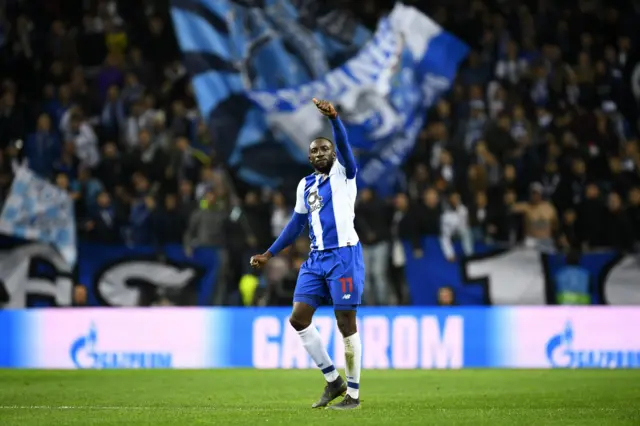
x=62, y=182
x=570, y=236
x=419, y=182
x=592, y=214
x=206, y=228
x=183, y=161
x=42, y=147
x=258, y=219
x=76, y=129
x=513, y=67
x=113, y=118
x=111, y=170
x=142, y=205
x=504, y=224
x=479, y=216
x=571, y=188
x=280, y=214
x=132, y=91
x=168, y=223
x=67, y=163
x=455, y=222
x=541, y=220
x=12, y=125
x=148, y=157
x=105, y=223
x=133, y=125
x=471, y=130
x=427, y=213
x=372, y=226
x=620, y=230
x=110, y=74
x=489, y=163
x=446, y=296
x=403, y=227
x=186, y=197
x=87, y=189
x=62, y=44
x=550, y=180
x=445, y=174
x=477, y=181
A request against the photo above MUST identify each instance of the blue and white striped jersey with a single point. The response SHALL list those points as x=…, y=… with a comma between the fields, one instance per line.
x=329, y=203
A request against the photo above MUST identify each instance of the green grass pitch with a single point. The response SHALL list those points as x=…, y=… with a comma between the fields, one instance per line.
x=284, y=397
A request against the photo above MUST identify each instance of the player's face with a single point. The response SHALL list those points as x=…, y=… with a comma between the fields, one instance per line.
x=322, y=155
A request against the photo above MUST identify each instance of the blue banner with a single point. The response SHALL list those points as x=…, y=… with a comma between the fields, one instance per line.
x=256, y=67
x=35, y=274
x=518, y=276
x=124, y=276
x=394, y=337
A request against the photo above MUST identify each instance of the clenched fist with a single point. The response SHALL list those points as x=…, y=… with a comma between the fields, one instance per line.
x=259, y=260
x=326, y=108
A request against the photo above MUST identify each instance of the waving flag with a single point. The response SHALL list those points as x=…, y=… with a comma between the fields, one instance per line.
x=37, y=210
x=257, y=64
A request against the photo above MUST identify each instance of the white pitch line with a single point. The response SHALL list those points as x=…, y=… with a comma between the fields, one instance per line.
x=90, y=407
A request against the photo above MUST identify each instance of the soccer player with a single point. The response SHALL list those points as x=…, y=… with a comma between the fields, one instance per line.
x=335, y=268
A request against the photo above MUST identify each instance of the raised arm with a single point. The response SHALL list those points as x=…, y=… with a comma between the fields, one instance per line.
x=344, y=149
x=339, y=136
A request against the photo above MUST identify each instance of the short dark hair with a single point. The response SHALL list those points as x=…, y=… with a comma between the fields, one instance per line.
x=319, y=138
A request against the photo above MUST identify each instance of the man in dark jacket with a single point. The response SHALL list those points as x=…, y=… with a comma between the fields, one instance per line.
x=372, y=225
x=208, y=228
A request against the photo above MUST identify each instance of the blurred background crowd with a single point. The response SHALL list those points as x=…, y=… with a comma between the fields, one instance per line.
x=536, y=143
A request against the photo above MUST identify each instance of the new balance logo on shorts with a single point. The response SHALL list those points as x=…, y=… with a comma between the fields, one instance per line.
x=346, y=297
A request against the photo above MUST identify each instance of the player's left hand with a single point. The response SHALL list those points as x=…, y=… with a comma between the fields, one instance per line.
x=326, y=108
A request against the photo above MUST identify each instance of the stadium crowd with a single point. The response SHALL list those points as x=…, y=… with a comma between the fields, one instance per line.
x=536, y=143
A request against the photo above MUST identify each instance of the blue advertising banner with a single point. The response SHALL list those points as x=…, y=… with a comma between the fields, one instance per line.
x=519, y=276
x=36, y=274
x=392, y=338
x=256, y=66
x=129, y=276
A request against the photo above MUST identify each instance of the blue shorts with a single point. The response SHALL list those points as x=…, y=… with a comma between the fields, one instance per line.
x=332, y=276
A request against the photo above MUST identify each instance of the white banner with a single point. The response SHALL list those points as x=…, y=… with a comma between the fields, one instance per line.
x=37, y=210
x=34, y=271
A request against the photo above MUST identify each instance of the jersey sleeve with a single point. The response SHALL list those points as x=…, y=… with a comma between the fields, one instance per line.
x=345, y=154
x=300, y=207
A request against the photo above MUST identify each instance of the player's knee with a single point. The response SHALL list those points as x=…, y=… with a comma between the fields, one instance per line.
x=299, y=322
x=346, y=321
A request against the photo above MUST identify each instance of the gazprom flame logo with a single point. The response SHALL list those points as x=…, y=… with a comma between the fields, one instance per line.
x=82, y=350
x=562, y=353
x=86, y=353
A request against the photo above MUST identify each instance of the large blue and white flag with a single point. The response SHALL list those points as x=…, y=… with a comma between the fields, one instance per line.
x=257, y=64
x=37, y=210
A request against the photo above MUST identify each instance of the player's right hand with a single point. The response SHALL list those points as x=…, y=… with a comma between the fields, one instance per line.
x=259, y=260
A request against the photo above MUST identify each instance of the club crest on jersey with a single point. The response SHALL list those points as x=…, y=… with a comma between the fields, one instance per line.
x=314, y=200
